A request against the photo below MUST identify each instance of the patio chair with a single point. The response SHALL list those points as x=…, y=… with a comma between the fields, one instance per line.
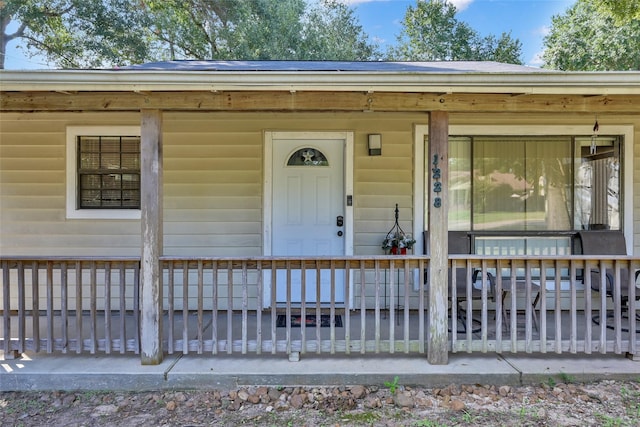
x=607, y=242
x=460, y=243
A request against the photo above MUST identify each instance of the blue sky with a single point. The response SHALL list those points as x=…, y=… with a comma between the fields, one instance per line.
x=527, y=20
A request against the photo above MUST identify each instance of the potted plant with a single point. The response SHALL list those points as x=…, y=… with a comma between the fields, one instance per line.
x=397, y=242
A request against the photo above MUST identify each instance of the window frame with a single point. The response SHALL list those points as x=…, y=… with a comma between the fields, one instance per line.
x=72, y=210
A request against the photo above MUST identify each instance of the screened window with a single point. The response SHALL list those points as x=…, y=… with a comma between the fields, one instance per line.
x=108, y=172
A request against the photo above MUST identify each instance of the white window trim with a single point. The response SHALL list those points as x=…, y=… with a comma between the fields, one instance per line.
x=421, y=131
x=72, y=185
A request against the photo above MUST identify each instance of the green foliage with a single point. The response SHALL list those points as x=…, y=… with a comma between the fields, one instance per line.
x=431, y=32
x=106, y=33
x=392, y=385
x=77, y=33
x=585, y=39
x=622, y=11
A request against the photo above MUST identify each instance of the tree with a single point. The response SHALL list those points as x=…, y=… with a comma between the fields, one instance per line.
x=431, y=32
x=75, y=33
x=622, y=11
x=585, y=39
x=104, y=33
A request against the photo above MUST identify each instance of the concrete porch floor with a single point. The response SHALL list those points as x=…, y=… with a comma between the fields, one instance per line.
x=124, y=372
x=41, y=371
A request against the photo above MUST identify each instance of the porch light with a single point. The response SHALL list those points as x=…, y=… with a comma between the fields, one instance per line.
x=375, y=144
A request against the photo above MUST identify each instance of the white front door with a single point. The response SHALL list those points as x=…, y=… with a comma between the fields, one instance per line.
x=308, y=211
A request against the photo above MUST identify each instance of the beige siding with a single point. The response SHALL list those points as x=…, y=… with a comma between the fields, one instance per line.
x=213, y=179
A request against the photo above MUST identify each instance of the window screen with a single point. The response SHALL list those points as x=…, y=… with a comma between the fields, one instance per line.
x=108, y=172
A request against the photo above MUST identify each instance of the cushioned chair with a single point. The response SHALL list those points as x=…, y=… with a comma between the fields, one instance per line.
x=460, y=244
x=607, y=242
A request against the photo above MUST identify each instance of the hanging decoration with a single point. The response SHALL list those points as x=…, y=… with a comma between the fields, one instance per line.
x=594, y=137
x=397, y=241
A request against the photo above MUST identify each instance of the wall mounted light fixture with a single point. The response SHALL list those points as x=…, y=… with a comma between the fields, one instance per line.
x=375, y=144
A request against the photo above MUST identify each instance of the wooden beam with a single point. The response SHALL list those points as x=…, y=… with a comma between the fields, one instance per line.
x=317, y=101
x=438, y=243
x=151, y=221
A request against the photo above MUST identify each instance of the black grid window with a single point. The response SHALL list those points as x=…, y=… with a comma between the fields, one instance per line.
x=108, y=172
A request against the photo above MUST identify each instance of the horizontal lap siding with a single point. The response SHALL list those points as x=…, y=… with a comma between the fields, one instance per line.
x=33, y=192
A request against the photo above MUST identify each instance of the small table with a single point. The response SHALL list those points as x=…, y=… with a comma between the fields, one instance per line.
x=521, y=289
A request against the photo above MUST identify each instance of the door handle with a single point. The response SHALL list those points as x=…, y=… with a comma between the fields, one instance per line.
x=340, y=233
x=339, y=220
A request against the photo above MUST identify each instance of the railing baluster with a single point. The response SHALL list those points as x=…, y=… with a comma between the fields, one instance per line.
x=421, y=307
x=35, y=305
x=586, y=278
x=527, y=308
x=200, y=331
x=64, y=314
x=542, y=297
x=274, y=313
x=513, y=313
x=407, y=329
x=558, y=298
x=136, y=306
x=185, y=307
x=245, y=303
x=303, y=307
x=318, y=311
x=94, y=309
x=172, y=307
x=259, y=309
x=347, y=312
x=392, y=312
x=603, y=308
x=123, y=308
x=50, y=307
x=107, y=307
x=79, y=284
x=363, y=308
x=6, y=307
x=21, y=309
x=617, y=307
x=633, y=268
x=214, y=307
x=573, y=307
x=332, y=309
x=377, y=307
x=229, y=307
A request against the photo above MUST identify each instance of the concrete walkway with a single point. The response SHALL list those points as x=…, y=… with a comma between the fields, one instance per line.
x=86, y=372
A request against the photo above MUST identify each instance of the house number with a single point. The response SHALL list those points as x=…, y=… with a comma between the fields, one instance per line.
x=437, y=185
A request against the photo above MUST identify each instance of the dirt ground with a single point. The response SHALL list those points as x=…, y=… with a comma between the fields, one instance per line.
x=558, y=402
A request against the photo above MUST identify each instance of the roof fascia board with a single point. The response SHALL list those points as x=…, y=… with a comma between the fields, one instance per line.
x=587, y=83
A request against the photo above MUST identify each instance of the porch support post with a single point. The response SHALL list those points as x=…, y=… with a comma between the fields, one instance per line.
x=438, y=171
x=151, y=221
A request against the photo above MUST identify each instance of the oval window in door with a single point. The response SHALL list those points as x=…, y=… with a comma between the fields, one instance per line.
x=308, y=157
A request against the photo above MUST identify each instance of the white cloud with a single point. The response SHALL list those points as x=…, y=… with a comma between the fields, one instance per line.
x=355, y=2
x=536, y=61
x=542, y=31
x=460, y=4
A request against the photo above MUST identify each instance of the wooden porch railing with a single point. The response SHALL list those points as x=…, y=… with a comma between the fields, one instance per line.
x=227, y=305
x=70, y=305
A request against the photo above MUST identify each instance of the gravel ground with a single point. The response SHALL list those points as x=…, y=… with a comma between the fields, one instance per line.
x=558, y=402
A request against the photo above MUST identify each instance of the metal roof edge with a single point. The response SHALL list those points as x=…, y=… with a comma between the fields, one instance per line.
x=549, y=82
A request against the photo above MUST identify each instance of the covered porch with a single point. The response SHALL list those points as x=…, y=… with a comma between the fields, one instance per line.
x=140, y=209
